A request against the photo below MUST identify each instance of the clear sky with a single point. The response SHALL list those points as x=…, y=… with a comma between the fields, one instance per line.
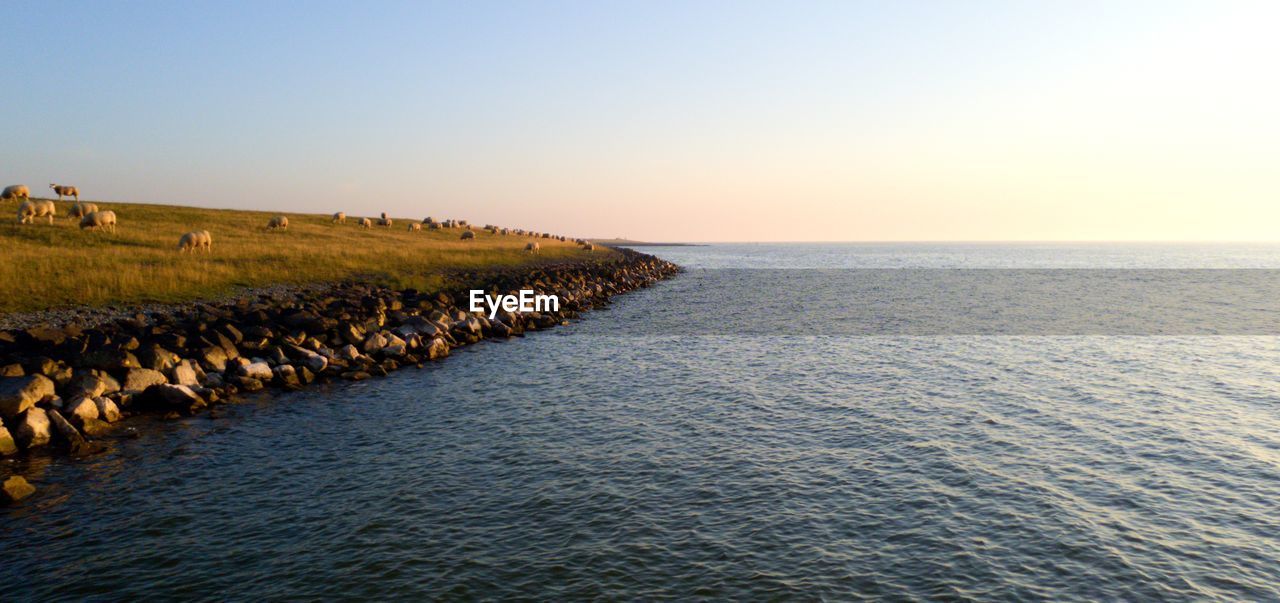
x=661, y=120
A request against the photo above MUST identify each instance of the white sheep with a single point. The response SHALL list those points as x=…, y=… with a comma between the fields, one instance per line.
x=533, y=248
x=80, y=210
x=28, y=211
x=434, y=226
x=198, y=239
x=99, y=220
x=16, y=191
x=415, y=227
x=280, y=222
x=366, y=223
x=340, y=218
x=384, y=220
x=468, y=235
x=65, y=191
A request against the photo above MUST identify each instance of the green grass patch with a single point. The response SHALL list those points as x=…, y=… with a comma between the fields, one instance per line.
x=57, y=266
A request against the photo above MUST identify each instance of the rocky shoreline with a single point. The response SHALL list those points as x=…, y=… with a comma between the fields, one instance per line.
x=63, y=385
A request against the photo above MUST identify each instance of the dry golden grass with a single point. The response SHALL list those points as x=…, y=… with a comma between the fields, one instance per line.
x=43, y=266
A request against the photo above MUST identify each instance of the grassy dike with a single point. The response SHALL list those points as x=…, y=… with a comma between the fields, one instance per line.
x=57, y=266
x=64, y=386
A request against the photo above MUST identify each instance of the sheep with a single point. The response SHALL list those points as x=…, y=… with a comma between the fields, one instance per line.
x=546, y=235
x=80, y=210
x=415, y=227
x=65, y=191
x=340, y=218
x=28, y=211
x=195, y=240
x=99, y=220
x=506, y=231
x=428, y=221
x=589, y=247
x=533, y=248
x=434, y=226
x=16, y=191
x=280, y=222
x=384, y=220
x=366, y=223
x=468, y=235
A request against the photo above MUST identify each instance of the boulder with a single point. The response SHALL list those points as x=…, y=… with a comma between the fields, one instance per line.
x=286, y=376
x=350, y=333
x=256, y=370
x=172, y=397
x=70, y=436
x=213, y=358
x=110, y=360
x=184, y=374
x=437, y=349
x=32, y=429
x=139, y=379
x=107, y=410
x=15, y=489
x=17, y=394
x=86, y=384
x=348, y=352
x=247, y=384
x=81, y=409
x=7, y=444
x=309, y=359
x=157, y=358
x=373, y=343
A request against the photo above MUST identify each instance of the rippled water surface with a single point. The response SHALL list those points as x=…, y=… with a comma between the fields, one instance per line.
x=582, y=463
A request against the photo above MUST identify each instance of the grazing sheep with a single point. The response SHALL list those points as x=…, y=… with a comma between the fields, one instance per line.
x=384, y=220
x=589, y=247
x=433, y=226
x=28, y=211
x=366, y=223
x=468, y=235
x=16, y=191
x=506, y=231
x=80, y=210
x=428, y=221
x=415, y=227
x=280, y=222
x=99, y=220
x=533, y=248
x=340, y=218
x=65, y=191
x=198, y=239
x=546, y=235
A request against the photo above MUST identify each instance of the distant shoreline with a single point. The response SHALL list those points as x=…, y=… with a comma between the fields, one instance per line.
x=630, y=243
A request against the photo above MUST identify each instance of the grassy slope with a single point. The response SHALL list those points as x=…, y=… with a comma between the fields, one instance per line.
x=44, y=266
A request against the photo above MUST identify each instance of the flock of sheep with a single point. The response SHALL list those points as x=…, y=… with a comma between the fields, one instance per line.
x=92, y=218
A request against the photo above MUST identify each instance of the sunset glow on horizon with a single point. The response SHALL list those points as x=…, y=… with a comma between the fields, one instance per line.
x=708, y=121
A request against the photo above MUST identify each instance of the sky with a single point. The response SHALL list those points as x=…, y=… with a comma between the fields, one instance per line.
x=664, y=120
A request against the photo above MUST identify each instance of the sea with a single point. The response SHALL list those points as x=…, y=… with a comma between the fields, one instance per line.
x=905, y=421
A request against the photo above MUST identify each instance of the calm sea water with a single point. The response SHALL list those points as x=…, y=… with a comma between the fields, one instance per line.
x=692, y=462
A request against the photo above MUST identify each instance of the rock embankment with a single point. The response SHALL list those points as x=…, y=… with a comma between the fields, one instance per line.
x=62, y=387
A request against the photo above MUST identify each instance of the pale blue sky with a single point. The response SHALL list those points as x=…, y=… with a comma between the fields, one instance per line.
x=664, y=120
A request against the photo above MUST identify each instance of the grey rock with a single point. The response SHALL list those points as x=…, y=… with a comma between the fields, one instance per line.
x=15, y=489
x=139, y=379
x=33, y=429
x=17, y=394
